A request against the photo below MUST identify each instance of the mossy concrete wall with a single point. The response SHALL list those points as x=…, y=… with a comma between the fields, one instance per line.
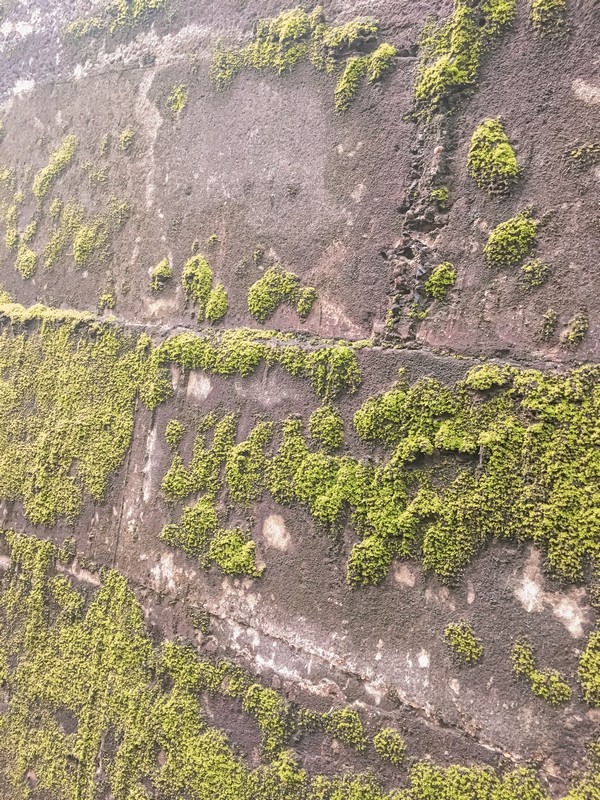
x=268, y=172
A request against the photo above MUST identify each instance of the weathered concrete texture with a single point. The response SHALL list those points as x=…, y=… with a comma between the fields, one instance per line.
x=317, y=190
x=301, y=628
x=270, y=164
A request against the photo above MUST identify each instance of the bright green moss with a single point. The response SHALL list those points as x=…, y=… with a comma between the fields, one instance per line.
x=548, y=326
x=326, y=426
x=58, y=163
x=281, y=43
x=451, y=52
x=106, y=300
x=87, y=237
x=137, y=710
x=30, y=232
x=126, y=140
x=389, y=745
x=345, y=724
x=246, y=464
x=278, y=286
x=234, y=552
x=80, y=28
x=535, y=273
x=429, y=782
x=199, y=523
x=161, y=275
x=197, y=281
x=577, y=330
x=178, y=98
x=460, y=638
x=174, y=433
x=26, y=262
x=492, y=162
x=441, y=280
x=11, y=237
x=67, y=416
x=547, y=684
x=217, y=304
x=441, y=196
x=589, y=670
x=548, y=17
x=511, y=241
x=272, y=714
x=129, y=13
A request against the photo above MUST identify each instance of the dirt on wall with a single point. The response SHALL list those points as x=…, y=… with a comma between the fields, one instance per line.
x=268, y=173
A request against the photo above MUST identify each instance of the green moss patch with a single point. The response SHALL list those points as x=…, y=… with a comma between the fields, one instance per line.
x=283, y=42
x=451, y=52
x=511, y=241
x=278, y=286
x=441, y=280
x=60, y=159
x=161, y=275
x=460, y=638
x=547, y=684
x=197, y=281
x=548, y=17
x=492, y=162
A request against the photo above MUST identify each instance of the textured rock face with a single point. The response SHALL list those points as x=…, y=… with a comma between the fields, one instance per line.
x=299, y=458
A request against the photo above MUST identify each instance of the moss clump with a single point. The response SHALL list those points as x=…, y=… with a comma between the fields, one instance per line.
x=345, y=724
x=589, y=670
x=451, y=52
x=441, y=280
x=492, y=162
x=588, y=155
x=87, y=236
x=548, y=326
x=217, y=304
x=67, y=417
x=234, y=552
x=197, y=281
x=511, y=241
x=11, y=237
x=389, y=745
x=57, y=164
x=460, y=638
x=373, y=67
x=577, y=330
x=548, y=17
x=281, y=43
x=80, y=28
x=272, y=714
x=174, y=433
x=161, y=275
x=178, y=98
x=26, y=262
x=276, y=287
x=326, y=426
x=547, y=684
x=126, y=140
x=535, y=273
x=106, y=300
x=427, y=781
x=441, y=196
x=331, y=369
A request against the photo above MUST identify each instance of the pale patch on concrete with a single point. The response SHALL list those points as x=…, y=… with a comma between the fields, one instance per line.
x=470, y=594
x=22, y=29
x=441, y=597
x=404, y=575
x=199, y=386
x=334, y=322
x=376, y=690
x=454, y=686
x=148, y=117
x=149, y=465
x=80, y=574
x=587, y=92
x=570, y=608
x=275, y=533
x=424, y=659
x=163, y=573
x=359, y=192
x=4, y=562
x=23, y=86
